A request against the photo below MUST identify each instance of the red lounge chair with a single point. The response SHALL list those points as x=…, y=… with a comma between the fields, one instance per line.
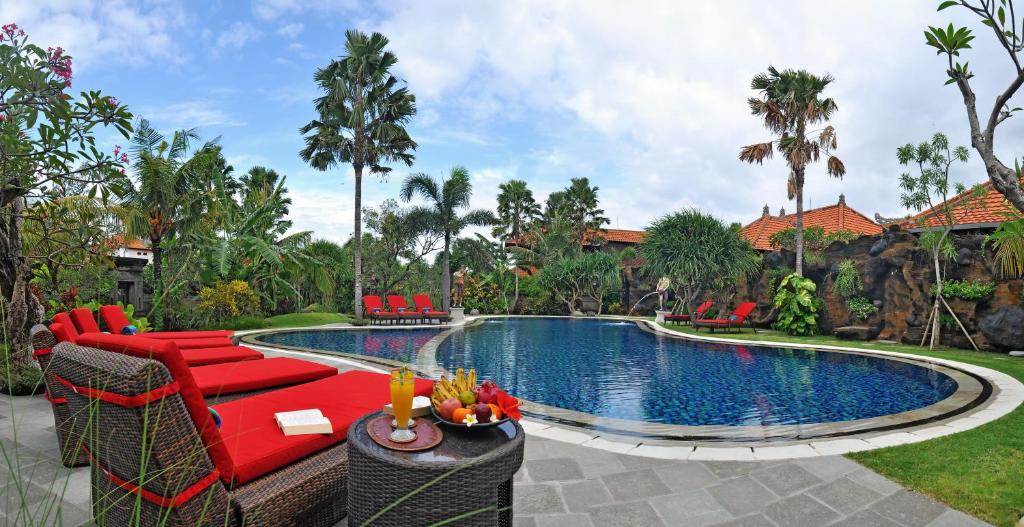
x=398, y=305
x=115, y=319
x=220, y=350
x=425, y=308
x=373, y=307
x=145, y=399
x=682, y=318
x=735, y=321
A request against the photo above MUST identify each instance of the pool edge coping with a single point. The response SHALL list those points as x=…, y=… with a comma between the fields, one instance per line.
x=1007, y=394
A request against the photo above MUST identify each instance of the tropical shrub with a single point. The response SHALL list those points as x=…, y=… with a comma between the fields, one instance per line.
x=847, y=282
x=775, y=277
x=482, y=294
x=861, y=308
x=227, y=300
x=1008, y=242
x=589, y=275
x=240, y=323
x=966, y=290
x=19, y=378
x=815, y=242
x=141, y=324
x=797, y=306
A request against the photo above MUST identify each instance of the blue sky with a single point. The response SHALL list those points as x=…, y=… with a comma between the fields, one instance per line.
x=647, y=100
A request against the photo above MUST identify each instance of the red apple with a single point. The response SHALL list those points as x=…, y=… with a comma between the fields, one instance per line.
x=483, y=413
x=448, y=406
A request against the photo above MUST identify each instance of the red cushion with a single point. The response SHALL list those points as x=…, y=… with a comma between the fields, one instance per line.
x=248, y=376
x=114, y=318
x=720, y=321
x=206, y=356
x=84, y=321
x=182, y=335
x=256, y=443
x=68, y=327
x=166, y=352
x=187, y=344
x=62, y=332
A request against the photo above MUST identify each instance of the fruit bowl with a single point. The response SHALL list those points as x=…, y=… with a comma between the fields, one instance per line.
x=444, y=421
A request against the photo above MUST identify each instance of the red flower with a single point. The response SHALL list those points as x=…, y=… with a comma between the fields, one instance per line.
x=509, y=405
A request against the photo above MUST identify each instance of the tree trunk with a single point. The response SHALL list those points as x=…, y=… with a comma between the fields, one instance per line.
x=446, y=275
x=21, y=308
x=1003, y=178
x=357, y=264
x=799, y=224
x=156, y=312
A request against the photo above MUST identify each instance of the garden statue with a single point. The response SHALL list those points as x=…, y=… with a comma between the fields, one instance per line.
x=662, y=288
x=460, y=285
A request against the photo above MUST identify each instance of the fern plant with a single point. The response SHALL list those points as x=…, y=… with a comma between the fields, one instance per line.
x=797, y=305
x=1008, y=242
x=861, y=308
x=847, y=282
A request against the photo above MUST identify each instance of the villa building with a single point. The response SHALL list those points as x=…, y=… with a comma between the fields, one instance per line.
x=984, y=213
x=831, y=218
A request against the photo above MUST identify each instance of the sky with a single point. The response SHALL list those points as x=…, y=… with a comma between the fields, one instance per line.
x=647, y=99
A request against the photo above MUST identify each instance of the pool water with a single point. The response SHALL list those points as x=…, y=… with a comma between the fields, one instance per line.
x=615, y=369
x=395, y=344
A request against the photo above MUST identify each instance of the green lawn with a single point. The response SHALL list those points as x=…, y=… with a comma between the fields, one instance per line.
x=980, y=471
x=301, y=320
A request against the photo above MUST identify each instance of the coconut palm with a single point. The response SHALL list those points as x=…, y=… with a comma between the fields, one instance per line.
x=444, y=200
x=361, y=121
x=516, y=209
x=168, y=197
x=790, y=102
x=578, y=205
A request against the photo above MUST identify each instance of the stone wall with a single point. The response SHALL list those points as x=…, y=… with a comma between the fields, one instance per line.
x=898, y=276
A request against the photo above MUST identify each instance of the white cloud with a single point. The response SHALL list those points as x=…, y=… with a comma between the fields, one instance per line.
x=328, y=213
x=238, y=34
x=290, y=30
x=114, y=32
x=189, y=114
x=650, y=103
x=273, y=9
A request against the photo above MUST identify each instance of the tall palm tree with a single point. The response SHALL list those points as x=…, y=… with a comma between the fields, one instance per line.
x=790, y=102
x=516, y=209
x=168, y=198
x=444, y=200
x=361, y=121
x=577, y=204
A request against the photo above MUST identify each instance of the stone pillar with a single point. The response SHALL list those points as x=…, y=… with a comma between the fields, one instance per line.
x=458, y=315
x=659, y=317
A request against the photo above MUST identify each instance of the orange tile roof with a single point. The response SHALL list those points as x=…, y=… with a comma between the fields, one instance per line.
x=134, y=243
x=620, y=235
x=991, y=208
x=832, y=218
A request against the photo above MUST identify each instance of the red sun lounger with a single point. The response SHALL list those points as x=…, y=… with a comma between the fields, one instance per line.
x=735, y=321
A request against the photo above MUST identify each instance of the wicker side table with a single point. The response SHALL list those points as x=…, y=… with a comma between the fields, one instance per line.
x=467, y=477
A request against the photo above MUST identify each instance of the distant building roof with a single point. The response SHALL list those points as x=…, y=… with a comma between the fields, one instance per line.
x=134, y=243
x=626, y=236
x=833, y=218
x=988, y=211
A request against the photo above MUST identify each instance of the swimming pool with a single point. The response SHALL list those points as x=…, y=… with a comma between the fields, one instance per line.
x=614, y=375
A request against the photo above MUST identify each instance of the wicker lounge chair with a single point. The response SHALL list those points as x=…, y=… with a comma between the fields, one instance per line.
x=426, y=308
x=171, y=465
x=115, y=320
x=683, y=318
x=373, y=307
x=735, y=321
x=405, y=313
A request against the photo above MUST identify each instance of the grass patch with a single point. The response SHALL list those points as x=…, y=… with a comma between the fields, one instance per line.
x=301, y=320
x=978, y=471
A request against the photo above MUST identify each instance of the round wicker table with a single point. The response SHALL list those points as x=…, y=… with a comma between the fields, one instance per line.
x=465, y=480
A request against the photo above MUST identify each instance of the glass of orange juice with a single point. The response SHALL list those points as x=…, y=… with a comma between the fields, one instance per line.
x=401, y=401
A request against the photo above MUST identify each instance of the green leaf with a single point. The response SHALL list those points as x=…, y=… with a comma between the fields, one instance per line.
x=947, y=3
x=1001, y=13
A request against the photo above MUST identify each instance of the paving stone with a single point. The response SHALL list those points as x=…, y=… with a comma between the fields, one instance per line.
x=522, y=521
x=563, y=520
x=952, y=518
x=631, y=462
x=800, y=511
x=630, y=514
x=686, y=477
x=909, y=508
x=692, y=509
x=600, y=464
x=865, y=518
x=829, y=467
x=786, y=479
x=731, y=469
x=844, y=495
x=536, y=499
x=742, y=495
x=555, y=469
x=582, y=495
x=520, y=475
x=875, y=482
x=637, y=484
x=756, y=520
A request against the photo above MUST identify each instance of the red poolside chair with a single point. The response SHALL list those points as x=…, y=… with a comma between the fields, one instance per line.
x=683, y=318
x=197, y=352
x=735, y=321
x=115, y=319
x=426, y=309
x=373, y=308
x=398, y=305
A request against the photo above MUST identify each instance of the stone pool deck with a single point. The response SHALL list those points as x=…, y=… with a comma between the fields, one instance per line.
x=561, y=484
